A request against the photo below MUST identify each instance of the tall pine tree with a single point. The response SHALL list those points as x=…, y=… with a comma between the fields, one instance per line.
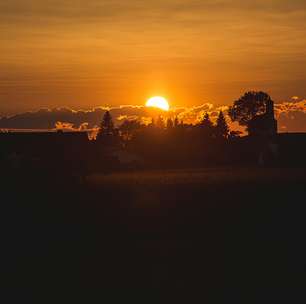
x=106, y=126
x=222, y=128
x=206, y=126
x=176, y=122
x=160, y=122
x=170, y=124
x=206, y=122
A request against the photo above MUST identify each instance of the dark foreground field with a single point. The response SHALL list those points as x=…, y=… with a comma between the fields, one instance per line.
x=208, y=236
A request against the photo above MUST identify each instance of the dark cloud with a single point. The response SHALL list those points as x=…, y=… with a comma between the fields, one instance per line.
x=48, y=119
x=291, y=116
x=68, y=118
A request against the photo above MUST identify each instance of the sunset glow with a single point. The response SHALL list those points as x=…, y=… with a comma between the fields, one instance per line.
x=86, y=55
x=158, y=102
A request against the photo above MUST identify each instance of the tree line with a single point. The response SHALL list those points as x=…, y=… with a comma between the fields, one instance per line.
x=171, y=141
x=130, y=127
x=243, y=110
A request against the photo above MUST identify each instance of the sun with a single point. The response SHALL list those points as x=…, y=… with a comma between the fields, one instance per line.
x=158, y=102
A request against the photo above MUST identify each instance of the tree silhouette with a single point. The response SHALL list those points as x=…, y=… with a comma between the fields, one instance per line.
x=170, y=124
x=129, y=128
x=176, y=122
x=248, y=106
x=106, y=126
x=160, y=122
x=206, y=122
x=206, y=126
x=222, y=128
x=152, y=123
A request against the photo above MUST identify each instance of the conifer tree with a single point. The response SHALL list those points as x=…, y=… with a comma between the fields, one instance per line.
x=222, y=128
x=152, y=123
x=176, y=122
x=206, y=122
x=169, y=123
x=160, y=122
x=106, y=126
x=207, y=126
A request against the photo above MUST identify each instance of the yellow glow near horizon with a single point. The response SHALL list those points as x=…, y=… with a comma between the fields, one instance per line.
x=158, y=102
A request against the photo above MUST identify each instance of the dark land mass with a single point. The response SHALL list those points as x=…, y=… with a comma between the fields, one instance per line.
x=212, y=236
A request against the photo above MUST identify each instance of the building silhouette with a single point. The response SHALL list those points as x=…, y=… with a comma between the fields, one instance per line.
x=264, y=124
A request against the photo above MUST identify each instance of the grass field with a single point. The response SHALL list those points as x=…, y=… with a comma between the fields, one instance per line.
x=201, y=176
x=220, y=235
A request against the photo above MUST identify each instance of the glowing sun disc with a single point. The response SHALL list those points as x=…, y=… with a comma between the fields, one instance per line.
x=158, y=102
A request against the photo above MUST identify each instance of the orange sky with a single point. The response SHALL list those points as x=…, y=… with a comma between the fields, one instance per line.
x=83, y=54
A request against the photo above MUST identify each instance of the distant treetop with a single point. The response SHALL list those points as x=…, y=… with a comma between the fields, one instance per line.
x=248, y=106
